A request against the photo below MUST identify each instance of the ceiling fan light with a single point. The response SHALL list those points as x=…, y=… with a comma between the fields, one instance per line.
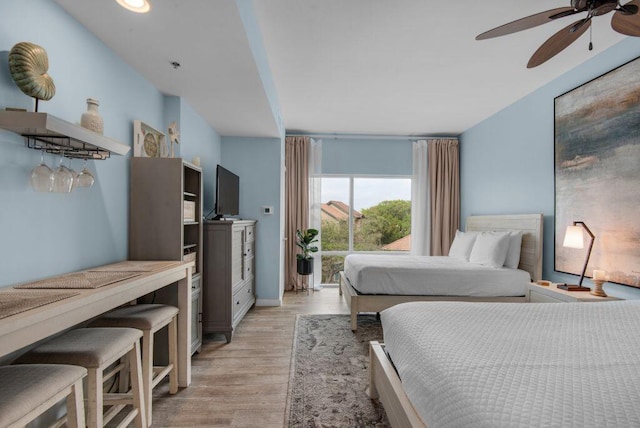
x=138, y=6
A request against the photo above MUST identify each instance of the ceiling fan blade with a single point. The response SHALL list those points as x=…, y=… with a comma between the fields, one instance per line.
x=527, y=22
x=627, y=23
x=578, y=25
x=558, y=42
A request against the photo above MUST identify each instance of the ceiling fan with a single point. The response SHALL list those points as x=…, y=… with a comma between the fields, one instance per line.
x=626, y=20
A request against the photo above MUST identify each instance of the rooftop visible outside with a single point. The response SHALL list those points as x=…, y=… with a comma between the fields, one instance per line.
x=381, y=219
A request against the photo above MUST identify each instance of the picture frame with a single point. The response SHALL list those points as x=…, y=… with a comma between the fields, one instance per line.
x=597, y=178
x=148, y=142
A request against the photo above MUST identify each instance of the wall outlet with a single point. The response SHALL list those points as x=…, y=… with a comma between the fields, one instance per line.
x=267, y=210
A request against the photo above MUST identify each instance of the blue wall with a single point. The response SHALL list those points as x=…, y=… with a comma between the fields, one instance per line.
x=259, y=162
x=366, y=156
x=44, y=234
x=507, y=161
x=197, y=138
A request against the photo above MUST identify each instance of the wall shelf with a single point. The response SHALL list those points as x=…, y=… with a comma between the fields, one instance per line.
x=43, y=131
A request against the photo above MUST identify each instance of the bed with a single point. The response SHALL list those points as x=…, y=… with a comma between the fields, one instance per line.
x=389, y=287
x=494, y=365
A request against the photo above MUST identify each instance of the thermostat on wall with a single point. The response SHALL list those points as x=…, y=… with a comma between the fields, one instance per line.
x=267, y=210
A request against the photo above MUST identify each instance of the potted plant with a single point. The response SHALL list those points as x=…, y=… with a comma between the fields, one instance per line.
x=304, y=239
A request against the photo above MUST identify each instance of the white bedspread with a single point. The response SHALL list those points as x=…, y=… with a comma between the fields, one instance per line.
x=520, y=364
x=433, y=276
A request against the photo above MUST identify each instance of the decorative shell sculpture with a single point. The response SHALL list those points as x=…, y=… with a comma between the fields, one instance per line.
x=28, y=64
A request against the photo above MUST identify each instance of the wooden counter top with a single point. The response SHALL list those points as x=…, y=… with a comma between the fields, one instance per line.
x=24, y=328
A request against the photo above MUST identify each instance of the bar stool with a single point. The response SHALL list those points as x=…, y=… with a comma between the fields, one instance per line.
x=149, y=318
x=28, y=391
x=97, y=349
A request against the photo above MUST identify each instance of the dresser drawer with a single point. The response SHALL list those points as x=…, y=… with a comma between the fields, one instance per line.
x=249, y=267
x=196, y=283
x=242, y=298
x=249, y=248
x=250, y=233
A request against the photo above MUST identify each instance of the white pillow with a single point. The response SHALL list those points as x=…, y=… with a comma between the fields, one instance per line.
x=462, y=245
x=513, y=253
x=490, y=249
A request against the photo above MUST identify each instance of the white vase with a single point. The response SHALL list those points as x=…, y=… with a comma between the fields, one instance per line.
x=91, y=119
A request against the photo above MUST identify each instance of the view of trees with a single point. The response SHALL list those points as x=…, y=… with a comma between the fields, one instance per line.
x=387, y=222
x=379, y=225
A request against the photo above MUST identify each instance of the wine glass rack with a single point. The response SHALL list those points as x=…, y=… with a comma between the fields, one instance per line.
x=42, y=131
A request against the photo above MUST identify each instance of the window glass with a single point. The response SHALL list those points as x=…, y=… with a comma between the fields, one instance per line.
x=335, y=214
x=382, y=214
x=331, y=267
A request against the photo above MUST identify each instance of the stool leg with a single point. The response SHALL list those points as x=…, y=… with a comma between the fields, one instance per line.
x=147, y=371
x=123, y=377
x=137, y=386
x=75, y=407
x=95, y=403
x=173, y=355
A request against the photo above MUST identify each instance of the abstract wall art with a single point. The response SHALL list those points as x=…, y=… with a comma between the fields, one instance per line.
x=597, y=173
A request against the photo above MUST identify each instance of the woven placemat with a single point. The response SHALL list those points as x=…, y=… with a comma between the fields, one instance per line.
x=134, y=266
x=82, y=280
x=15, y=301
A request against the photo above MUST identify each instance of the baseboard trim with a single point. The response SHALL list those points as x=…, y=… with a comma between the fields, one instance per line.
x=269, y=302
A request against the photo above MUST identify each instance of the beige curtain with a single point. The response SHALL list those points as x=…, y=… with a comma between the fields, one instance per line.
x=444, y=193
x=296, y=204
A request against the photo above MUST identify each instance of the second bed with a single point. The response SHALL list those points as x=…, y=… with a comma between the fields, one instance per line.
x=372, y=283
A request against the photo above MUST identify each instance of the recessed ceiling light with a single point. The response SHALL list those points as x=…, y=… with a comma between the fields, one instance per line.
x=138, y=6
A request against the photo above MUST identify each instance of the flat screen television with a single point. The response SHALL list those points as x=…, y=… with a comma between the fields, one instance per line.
x=227, y=193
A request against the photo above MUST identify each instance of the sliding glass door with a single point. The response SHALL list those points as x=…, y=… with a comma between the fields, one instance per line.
x=363, y=214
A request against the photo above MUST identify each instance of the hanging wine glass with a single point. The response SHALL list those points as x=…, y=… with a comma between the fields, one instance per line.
x=74, y=173
x=62, y=178
x=41, y=179
x=85, y=178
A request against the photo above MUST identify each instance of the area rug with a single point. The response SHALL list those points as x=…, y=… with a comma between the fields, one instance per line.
x=329, y=373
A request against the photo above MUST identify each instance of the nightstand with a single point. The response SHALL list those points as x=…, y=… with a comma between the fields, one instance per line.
x=552, y=294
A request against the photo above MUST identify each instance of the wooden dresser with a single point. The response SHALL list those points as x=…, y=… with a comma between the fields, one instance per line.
x=229, y=282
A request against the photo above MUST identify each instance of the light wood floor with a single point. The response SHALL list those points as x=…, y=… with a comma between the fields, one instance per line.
x=244, y=383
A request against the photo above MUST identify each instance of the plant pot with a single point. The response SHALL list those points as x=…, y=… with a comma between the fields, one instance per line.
x=305, y=266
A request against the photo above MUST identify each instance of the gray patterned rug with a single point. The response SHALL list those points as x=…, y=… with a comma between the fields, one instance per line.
x=329, y=374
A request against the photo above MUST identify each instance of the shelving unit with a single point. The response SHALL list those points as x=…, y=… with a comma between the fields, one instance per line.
x=43, y=131
x=157, y=226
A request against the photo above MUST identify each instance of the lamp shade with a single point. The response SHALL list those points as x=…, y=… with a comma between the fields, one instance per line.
x=574, y=237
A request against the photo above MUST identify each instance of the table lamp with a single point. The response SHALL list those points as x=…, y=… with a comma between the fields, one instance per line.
x=574, y=238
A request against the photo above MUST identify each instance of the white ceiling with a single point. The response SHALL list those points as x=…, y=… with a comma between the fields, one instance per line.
x=401, y=67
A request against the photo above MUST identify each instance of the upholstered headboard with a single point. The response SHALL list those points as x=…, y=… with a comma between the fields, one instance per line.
x=531, y=227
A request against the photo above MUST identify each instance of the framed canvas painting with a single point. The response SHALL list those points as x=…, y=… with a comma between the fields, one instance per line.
x=597, y=174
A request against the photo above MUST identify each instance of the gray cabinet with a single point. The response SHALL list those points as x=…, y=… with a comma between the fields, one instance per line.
x=196, y=314
x=229, y=282
x=165, y=222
